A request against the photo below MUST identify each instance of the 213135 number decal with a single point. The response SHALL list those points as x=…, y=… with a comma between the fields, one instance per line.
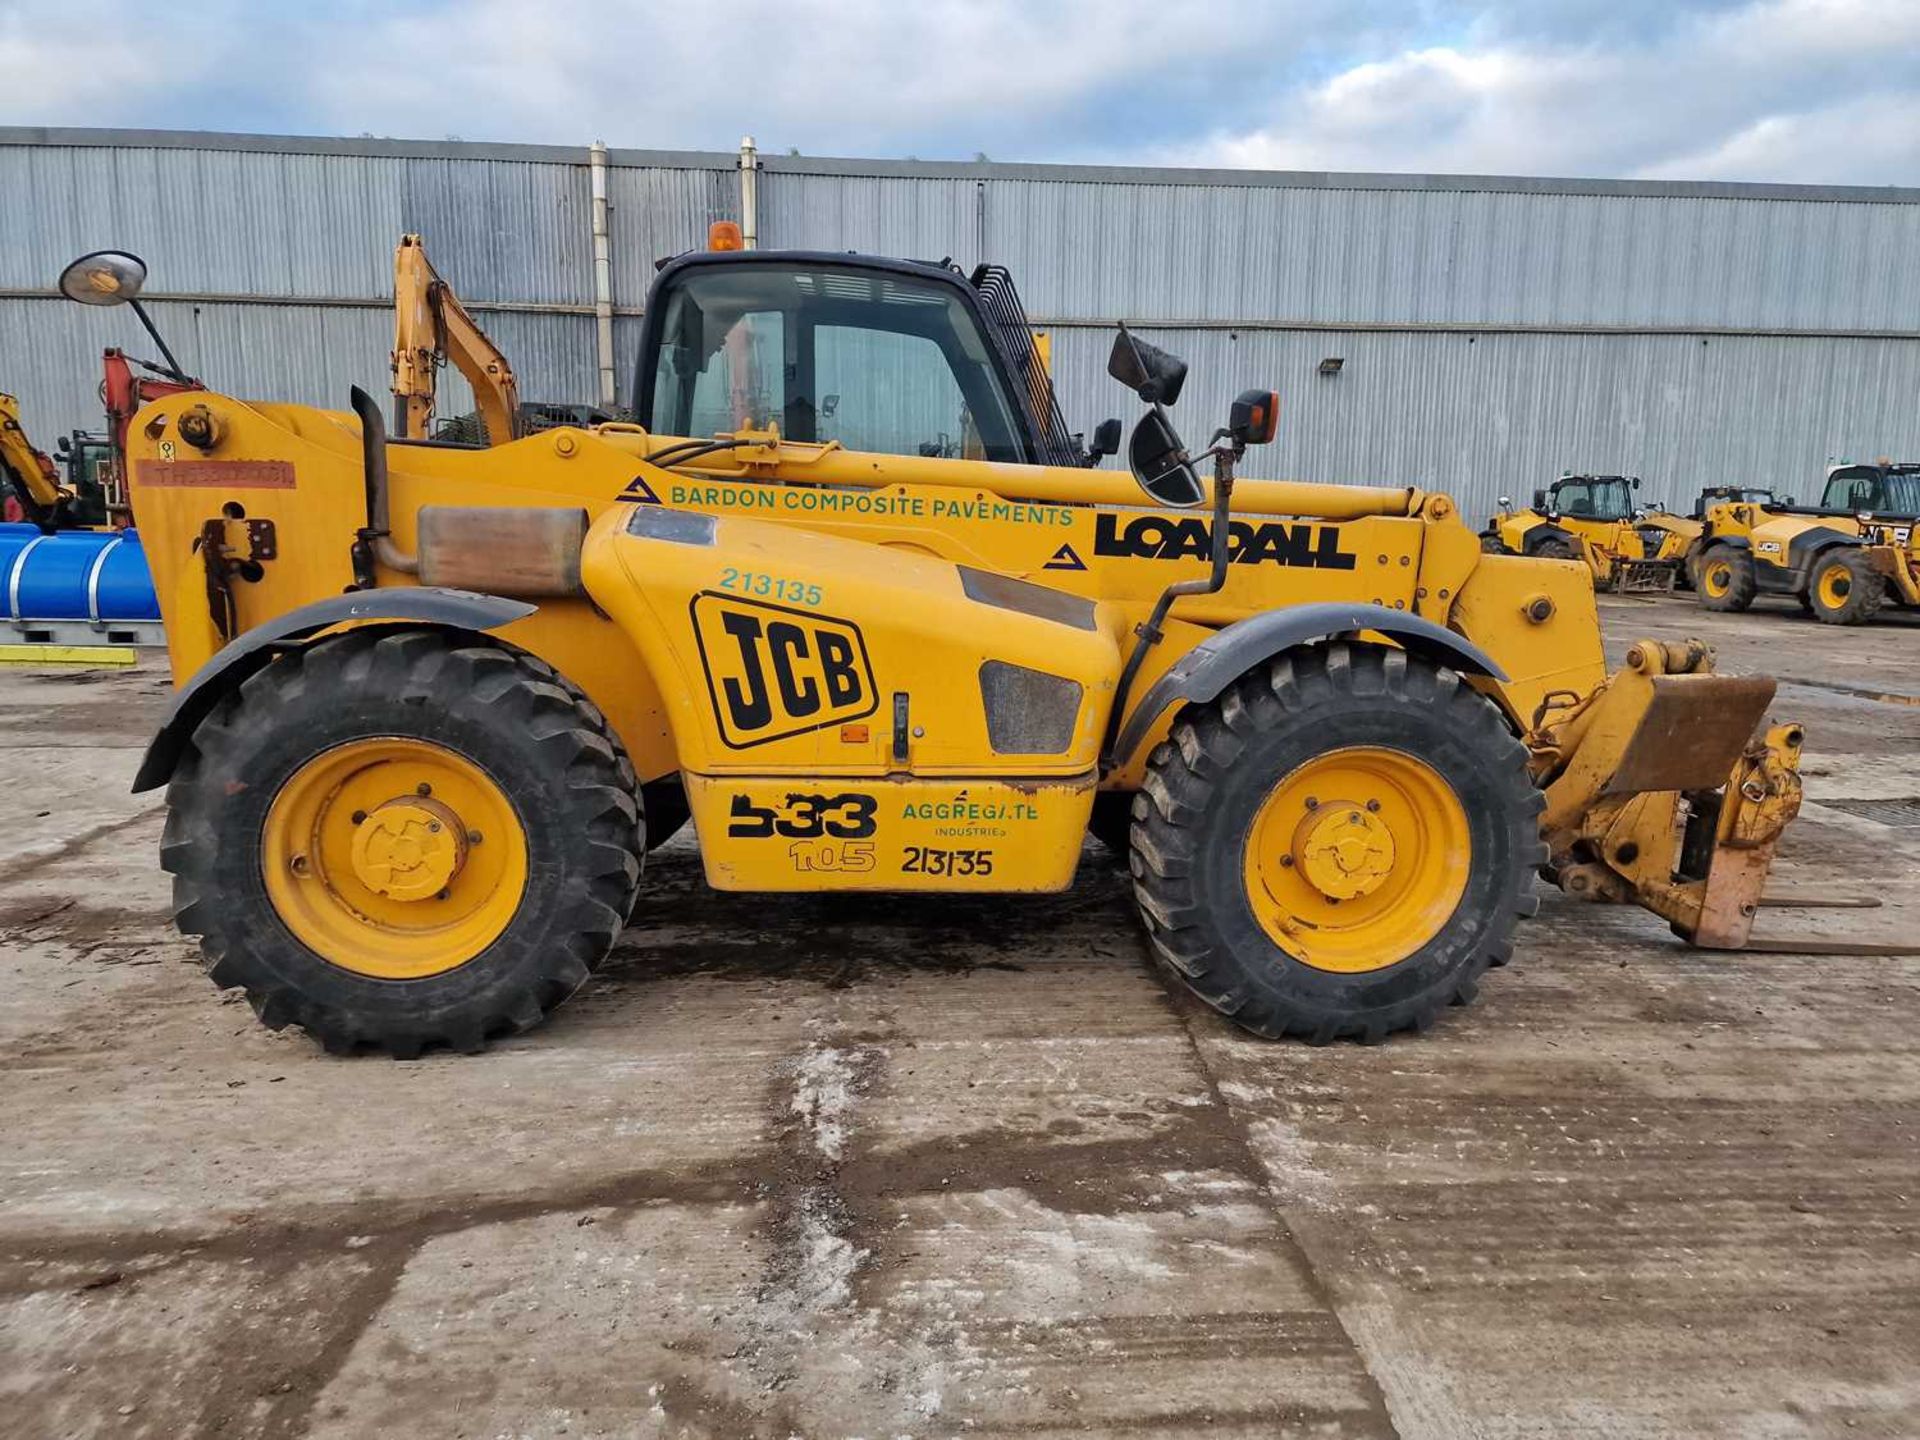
x=922, y=860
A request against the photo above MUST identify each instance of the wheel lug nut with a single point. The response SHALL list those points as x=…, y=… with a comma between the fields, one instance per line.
x=443, y=895
x=474, y=837
x=299, y=865
x=359, y=817
x=423, y=788
x=1373, y=806
x=1286, y=862
x=1312, y=804
x=433, y=827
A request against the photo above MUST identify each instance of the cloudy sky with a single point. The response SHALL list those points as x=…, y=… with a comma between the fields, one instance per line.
x=1792, y=90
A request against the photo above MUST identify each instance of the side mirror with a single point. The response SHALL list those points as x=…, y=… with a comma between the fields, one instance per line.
x=1147, y=370
x=1540, y=501
x=1789, y=501
x=106, y=277
x=1106, y=441
x=1255, y=417
x=1636, y=482
x=1159, y=462
x=1505, y=502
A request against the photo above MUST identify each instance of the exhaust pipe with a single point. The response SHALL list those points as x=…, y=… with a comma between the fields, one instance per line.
x=374, y=541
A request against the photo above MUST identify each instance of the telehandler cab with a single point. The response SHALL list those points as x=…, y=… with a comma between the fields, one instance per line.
x=849, y=593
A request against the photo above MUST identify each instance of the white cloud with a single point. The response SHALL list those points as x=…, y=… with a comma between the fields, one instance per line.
x=1797, y=90
x=1813, y=90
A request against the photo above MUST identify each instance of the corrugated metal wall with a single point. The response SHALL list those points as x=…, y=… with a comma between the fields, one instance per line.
x=1492, y=331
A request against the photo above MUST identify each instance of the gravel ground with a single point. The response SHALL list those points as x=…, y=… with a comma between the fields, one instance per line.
x=835, y=1167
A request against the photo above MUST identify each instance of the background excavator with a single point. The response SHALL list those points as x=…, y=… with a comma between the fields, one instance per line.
x=848, y=588
x=32, y=481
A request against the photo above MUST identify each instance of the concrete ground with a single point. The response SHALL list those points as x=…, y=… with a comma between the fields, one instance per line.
x=820, y=1168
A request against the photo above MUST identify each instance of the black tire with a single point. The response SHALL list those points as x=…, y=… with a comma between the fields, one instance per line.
x=1689, y=576
x=545, y=747
x=1491, y=543
x=1848, y=570
x=664, y=803
x=1554, y=548
x=1206, y=784
x=1738, y=591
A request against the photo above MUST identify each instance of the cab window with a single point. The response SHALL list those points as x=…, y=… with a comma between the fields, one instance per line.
x=1869, y=489
x=1593, y=499
x=889, y=363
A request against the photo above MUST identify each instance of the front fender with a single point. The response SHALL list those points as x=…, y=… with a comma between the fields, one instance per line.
x=1205, y=671
x=409, y=604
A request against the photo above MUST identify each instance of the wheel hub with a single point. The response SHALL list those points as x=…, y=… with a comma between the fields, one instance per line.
x=410, y=848
x=1344, y=851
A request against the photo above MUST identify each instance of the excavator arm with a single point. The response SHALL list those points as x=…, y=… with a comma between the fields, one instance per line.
x=430, y=327
x=27, y=471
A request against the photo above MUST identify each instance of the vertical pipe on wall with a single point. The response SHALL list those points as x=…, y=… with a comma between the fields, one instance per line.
x=602, y=273
x=749, y=195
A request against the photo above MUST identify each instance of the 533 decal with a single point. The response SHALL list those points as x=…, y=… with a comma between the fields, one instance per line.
x=803, y=817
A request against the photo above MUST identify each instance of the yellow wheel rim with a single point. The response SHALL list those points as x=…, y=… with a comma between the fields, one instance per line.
x=1835, y=583
x=393, y=858
x=1717, y=578
x=1357, y=859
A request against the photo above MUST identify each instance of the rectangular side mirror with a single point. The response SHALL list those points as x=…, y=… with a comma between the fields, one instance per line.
x=1147, y=370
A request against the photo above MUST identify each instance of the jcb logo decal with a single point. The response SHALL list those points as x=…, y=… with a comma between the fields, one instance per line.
x=774, y=671
x=1888, y=534
x=1271, y=542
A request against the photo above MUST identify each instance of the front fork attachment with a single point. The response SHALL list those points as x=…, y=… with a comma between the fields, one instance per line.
x=1699, y=858
x=1660, y=793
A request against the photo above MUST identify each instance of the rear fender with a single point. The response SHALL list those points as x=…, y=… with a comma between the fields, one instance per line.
x=258, y=647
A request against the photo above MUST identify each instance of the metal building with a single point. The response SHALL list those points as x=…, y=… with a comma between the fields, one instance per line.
x=1489, y=332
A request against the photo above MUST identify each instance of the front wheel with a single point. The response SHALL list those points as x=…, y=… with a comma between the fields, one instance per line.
x=402, y=840
x=1726, y=580
x=1845, y=589
x=1338, y=846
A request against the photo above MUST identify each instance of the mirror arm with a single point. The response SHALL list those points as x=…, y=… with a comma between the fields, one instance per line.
x=173, y=365
x=1149, y=630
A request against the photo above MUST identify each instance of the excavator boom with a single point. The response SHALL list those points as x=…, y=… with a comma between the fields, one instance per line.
x=431, y=326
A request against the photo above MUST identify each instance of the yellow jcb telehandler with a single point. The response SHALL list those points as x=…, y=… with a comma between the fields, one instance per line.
x=1629, y=547
x=849, y=594
x=1843, y=559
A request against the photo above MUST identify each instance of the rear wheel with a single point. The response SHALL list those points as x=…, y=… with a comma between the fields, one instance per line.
x=1725, y=581
x=1339, y=846
x=1554, y=548
x=402, y=840
x=1844, y=588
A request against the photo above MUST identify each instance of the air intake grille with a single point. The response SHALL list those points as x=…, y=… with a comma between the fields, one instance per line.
x=1029, y=712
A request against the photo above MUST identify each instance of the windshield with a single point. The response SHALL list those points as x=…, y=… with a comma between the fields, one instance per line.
x=1605, y=498
x=887, y=363
x=1873, y=490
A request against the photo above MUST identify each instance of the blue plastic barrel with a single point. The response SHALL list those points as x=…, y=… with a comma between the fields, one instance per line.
x=92, y=576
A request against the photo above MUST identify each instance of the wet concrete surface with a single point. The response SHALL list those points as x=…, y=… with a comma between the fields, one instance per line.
x=833, y=1167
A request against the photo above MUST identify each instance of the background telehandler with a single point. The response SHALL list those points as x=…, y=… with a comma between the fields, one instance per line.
x=848, y=589
x=1842, y=559
x=1629, y=547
